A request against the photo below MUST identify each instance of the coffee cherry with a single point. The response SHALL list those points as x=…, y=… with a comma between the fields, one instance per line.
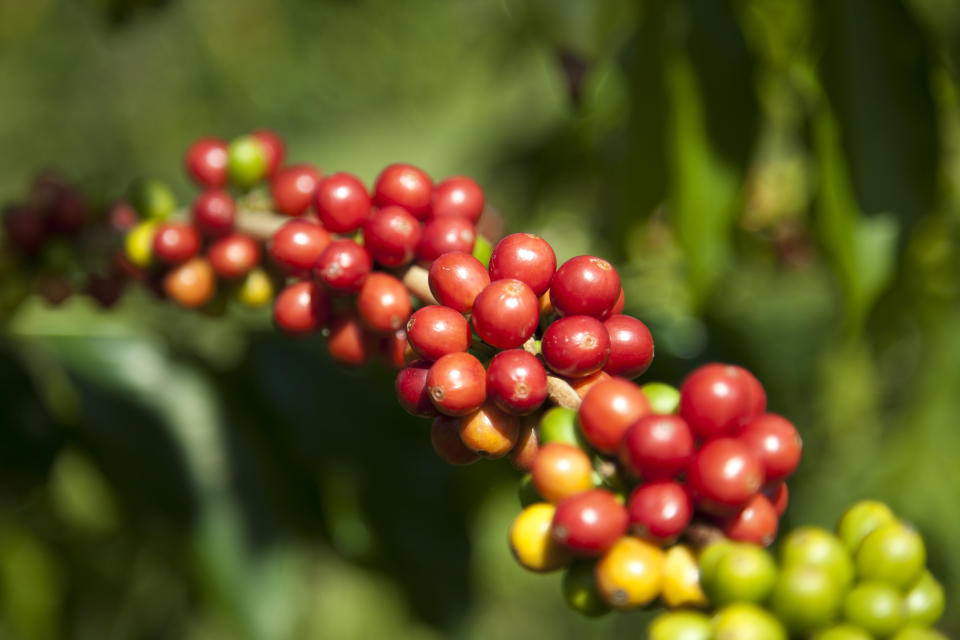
x=445, y=438
x=342, y=202
x=843, y=632
x=457, y=384
x=575, y=346
x=214, y=213
x=583, y=385
x=559, y=424
x=659, y=511
x=274, y=149
x=301, y=309
x=630, y=573
x=435, y=331
x=443, y=235
x=681, y=579
x=383, y=303
x=391, y=236
x=206, y=162
x=657, y=447
x=740, y=573
x=775, y=443
x=138, y=243
x=745, y=621
x=505, y=313
x=191, y=284
x=528, y=446
x=394, y=349
x=256, y=290
x=618, y=305
x=347, y=341
x=816, y=547
x=560, y=471
x=293, y=187
x=234, y=256
x=531, y=543
x=877, y=607
x=122, y=216
x=524, y=257
x=411, y=387
x=25, y=227
x=580, y=590
x=663, y=398
x=893, y=553
x=153, y=199
x=458, y=196
x=862, y=519
x=723, y=476
x=680, y=625
x=405, y=186
x=456, y=279
x=297, y=245
x=912, y=632
x=247, y=161
x=175, y=242
x=925, y=601
x=631, y=346
x=756, y=522
x=716, y=399
x=758, y=396
x=585, y=285
x=490, y=432
x=67, y=214
x=517, y=381
x=589, y=523
x=343, y=266
x=608, y=411
x=779, y=496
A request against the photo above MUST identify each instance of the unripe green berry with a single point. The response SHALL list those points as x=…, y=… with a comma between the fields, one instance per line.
x=152, y=199
x=246, y=162
x=818, y=547
x=806, y=597
x=527, y=492
x=842, y=632
x=482, y=250
x=925, y=601
x=560, y=425
x=680, y=625
x=663, y=398
x=745, y=573
x=860, y=520
x=877, y=607
x=746, y=622
x=918, y=633
x=893, y=553
x=580, y=590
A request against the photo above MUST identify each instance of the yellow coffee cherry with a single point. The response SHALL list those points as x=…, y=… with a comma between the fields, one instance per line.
x=630, y=573
x=681, y=579
x=256, y=290
x=138, y=243
x=531, y=542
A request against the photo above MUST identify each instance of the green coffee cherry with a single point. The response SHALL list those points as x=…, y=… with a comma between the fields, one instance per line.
x=746, y=622
x=877, y=607
x=918, y=633
x=806, y=597
x=819, y=548
x=138, y=243
x=860, y=520
x=842, y=632
x=710, y=557
x=680, y=625
x=482, y=250
x=246, y=162
x=892, y=553
x=745, y=573
x=925, y=601
x=152, y=199
x=663, y=398
x=527, y=492
x=560, y=425
x=580, y=590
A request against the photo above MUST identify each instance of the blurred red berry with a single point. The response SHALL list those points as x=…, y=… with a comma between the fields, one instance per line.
x=206, y=162
x=391, y=236
x=343, y=266
x=405, y=186
x=175, y=242
x=301, y=308
x=234, y=256
x=443, y=235
x=214, y=212
x=458, y=196
x=296, y=246
x=342, y=202
x=293, y=188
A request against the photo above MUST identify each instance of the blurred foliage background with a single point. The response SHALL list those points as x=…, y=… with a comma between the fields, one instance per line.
x=778, y=179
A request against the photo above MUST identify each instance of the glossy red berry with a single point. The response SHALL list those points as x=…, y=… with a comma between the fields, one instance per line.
x=342, y=202
x=619, y=304
x=715, y=399
x=516, y=381
x=214, y=212
x=756, y=522
x=405, y=186
x=383, y=303
x=589, y=523
x=608, y=410
x=585, y=285
x=457, y=384
x=774, y=441
x=456, y=279
x=576, y=346
x=723, y=476
x=234, y=256
x=445, y=438
x=296, y=246
x=347, y=341
x=631, y=346
x=301, y=308
x=458, y=196
x=505, y=314
x=394, y=349
x=758, y=396
x=435, y=331
x=657, y=447
x=411, y=387
x=343, y=266
x=206, y=162
x=175, y=242
x=660, y=510
x=443, y=235
x=778, y=495
x=293, y=187
x=525, y=257
x=391, y=236
x=274, y=149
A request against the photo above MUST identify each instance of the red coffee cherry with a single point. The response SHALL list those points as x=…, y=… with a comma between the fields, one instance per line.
x=505, y=314
x=273, y=147
x=723, y=476
x=191, y=284
x=343, y=266
x=618, y=305
x=301, y=308
x=631, y=346
x=234, y=256
x=585, y=285
x=458, y=196
x=715, y=399
x=297, y=245
x=756, y=522
x=293, y=187
x=175, y=242
x=758, y=396
x=457, y=384
x=405, y=186
x=528, y=445
x=122, y=216
x=778, y=495
x=67, y=213
x=391, y=236
x=443, y=235
x=575, y=346
x=435, y=330
x=660, y=511
x=583, y=385
x=383, y=303
x=411, y=387
x=347, y=341
x=560, y=471
x=26, y=228
x=342, y=202
x=775, y=443
x=608, y=411
x=516, y=381
x=490, y=432
x=456, y=279
x=206, y=162
x=445, y=438
x=589, y=523
x=658, y=447
x=524, y=257
x=214, y=212
x=394, y=349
